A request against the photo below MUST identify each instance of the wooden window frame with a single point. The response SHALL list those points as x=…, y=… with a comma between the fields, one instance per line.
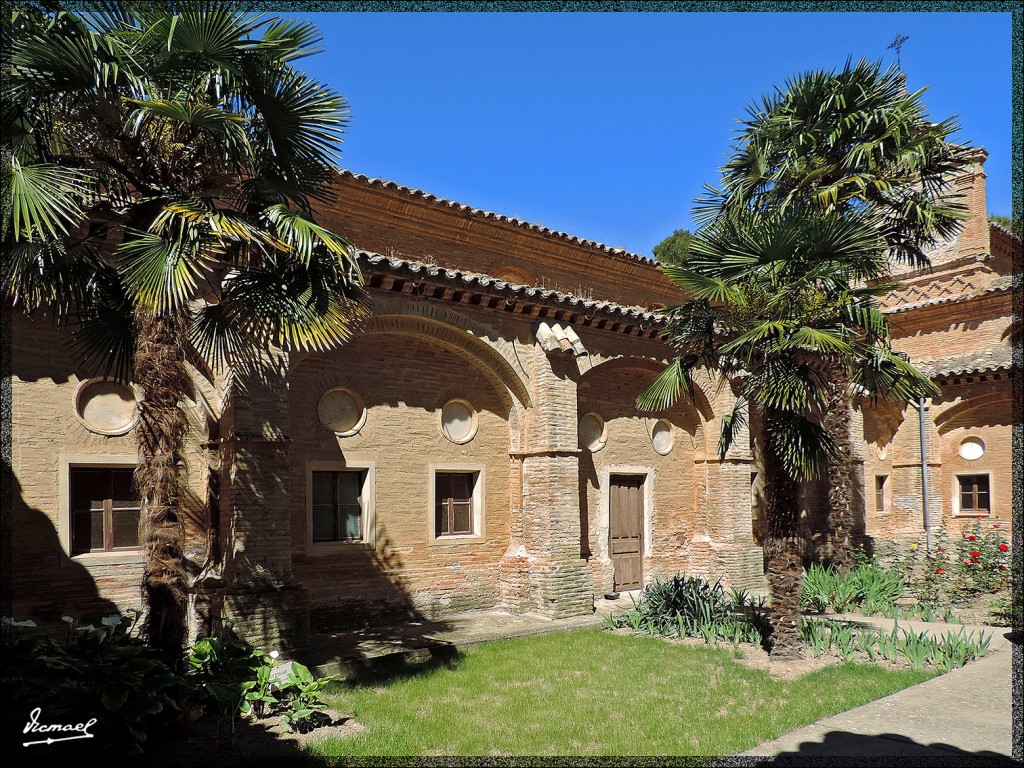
x=958, y=509
x=334, y=475
x=66, y=462
x=108, y=547
x=368, y=523
x=477, y=506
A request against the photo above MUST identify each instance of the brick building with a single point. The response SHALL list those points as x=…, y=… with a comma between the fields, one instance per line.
x=477, y=444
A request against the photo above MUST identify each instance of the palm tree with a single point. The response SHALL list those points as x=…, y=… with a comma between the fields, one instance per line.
x=843, y=142
x=777, y=303
x=164, y=166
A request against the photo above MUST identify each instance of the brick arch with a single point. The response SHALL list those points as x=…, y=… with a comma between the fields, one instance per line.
x=702, y=398
x=489, y=359
x=947, y=420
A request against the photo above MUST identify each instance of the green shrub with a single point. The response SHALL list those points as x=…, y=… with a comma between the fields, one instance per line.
x=101, y=672
x=686, y=606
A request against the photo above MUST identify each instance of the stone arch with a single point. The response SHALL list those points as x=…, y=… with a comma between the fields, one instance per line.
x=702, y=398
x=486, y=357
x=948, y=419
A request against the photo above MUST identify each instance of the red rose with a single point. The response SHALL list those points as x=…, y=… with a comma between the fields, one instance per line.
x=1003, y=548
x=975, y=554
x=1002, y=567
x=939, y=571
x=981, y=517
x=995, y=525
x=971, y=538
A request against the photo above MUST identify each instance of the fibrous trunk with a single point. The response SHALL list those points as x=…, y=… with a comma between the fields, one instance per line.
x=782, y=549
x=162, y=429
x=841, y=522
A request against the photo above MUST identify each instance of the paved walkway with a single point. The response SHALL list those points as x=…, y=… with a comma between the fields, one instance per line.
x=965, y=713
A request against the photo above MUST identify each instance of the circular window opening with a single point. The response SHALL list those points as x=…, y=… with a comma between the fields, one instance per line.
x=661, y=437
x=972, y=448
x=593, y=432
x=342, y=411
x=106, y=406
x=458, y=421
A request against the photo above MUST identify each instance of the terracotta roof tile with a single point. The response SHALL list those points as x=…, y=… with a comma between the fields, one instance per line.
x=482, y=214
x=394, y=265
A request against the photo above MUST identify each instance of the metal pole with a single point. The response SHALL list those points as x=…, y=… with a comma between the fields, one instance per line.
x=924, y=478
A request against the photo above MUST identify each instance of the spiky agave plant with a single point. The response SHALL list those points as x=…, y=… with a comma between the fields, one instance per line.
x=165, y=162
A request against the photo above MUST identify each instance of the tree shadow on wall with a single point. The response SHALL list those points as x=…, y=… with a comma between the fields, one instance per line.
x=367, y=626
x=45, y=583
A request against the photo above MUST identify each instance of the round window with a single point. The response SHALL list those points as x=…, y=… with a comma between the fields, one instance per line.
x=342, y=411
x=661, y=437
x=593, y=433
x=972, y=448
x=458, y=421
x=105, y=406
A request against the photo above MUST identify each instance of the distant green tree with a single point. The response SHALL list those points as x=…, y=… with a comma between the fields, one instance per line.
x=674, y=249
x=1006, y=222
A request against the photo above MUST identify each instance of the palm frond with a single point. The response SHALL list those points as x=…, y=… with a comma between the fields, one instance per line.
x=667, y=387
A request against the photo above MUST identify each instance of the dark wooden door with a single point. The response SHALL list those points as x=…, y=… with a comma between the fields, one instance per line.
x=626, y=530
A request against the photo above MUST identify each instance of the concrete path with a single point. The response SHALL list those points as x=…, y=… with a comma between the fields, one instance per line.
x=966, y=713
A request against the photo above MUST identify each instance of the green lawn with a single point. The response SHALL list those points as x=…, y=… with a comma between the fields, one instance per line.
x=592, y=692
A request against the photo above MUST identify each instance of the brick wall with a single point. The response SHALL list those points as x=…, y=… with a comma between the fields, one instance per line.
x=404, y=382
x=47, y=438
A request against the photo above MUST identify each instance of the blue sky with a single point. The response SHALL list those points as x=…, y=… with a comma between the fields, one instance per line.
x=606, y=125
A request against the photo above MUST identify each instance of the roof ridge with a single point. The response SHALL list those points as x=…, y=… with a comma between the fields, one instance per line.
x=481, y=213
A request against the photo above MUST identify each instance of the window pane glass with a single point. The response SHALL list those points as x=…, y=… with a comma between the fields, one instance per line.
x=440, y=519
x=89, y=487
x=122, y=489
x=982, y=482
x=966, y=499
x=350, y=487
x=126, y=528
x=349, y=522
x=983, y=501
x=461, y=486
x=323, y=507
x=463, y=517
x=442, y=486
x=82, y=532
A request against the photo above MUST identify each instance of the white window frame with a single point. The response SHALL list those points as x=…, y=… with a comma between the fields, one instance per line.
x=367, y=499
x=66, y=463
x=479, y=517
x=956, y=494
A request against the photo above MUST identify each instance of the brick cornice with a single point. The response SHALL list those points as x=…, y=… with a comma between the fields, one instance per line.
x=395, y=208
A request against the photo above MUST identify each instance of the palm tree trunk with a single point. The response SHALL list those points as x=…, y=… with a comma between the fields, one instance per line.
x=841, y=522
x=782, y=549
x=160, y=372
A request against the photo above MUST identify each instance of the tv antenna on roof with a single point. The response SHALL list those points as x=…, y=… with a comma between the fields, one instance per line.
x=897, y=45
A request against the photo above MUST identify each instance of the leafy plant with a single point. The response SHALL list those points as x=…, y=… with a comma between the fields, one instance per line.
x=103, y=672
x=303, y=702
x=690, y=606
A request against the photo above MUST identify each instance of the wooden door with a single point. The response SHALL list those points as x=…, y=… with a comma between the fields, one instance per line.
x=626, y=530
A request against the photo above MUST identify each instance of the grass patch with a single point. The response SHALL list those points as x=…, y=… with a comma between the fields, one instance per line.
x=591, y=692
